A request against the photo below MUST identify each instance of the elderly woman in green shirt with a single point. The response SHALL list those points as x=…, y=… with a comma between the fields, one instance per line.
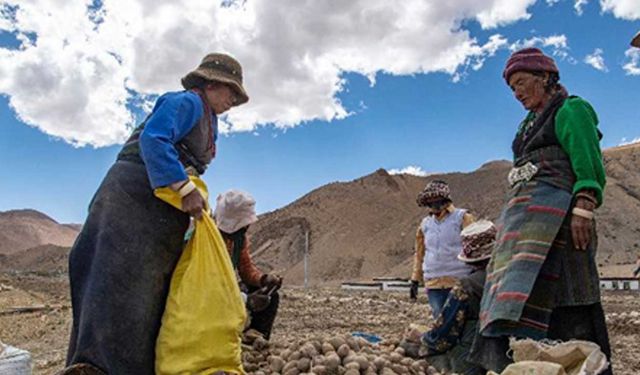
x=542, y=281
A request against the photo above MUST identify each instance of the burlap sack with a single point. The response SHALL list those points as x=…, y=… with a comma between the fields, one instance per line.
x=575, y=357
x=534, y=368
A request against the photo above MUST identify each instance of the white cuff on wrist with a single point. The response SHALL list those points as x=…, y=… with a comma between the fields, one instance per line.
x=582, y=213
x=186, y=189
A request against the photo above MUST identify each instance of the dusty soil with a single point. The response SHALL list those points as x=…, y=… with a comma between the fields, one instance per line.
x=304, y=315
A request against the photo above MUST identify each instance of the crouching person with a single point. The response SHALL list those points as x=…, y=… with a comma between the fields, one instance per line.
x=234, y=213
x=446, y=344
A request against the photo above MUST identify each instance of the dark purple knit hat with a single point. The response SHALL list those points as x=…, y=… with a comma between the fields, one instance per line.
x=529, y=60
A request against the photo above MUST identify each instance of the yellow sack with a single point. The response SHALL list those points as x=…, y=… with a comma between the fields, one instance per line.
x=204, y=314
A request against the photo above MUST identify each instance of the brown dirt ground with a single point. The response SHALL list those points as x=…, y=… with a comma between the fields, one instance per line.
x=303, y=315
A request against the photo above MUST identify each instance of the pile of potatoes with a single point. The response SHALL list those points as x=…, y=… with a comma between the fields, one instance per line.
x=339, y=355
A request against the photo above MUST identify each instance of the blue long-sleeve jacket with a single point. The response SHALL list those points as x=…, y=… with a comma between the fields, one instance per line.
x=172, y=118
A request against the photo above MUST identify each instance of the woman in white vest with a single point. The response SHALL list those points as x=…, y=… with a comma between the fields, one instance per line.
x=438, y=244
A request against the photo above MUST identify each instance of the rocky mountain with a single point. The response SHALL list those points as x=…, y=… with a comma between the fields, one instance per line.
x=358, y=229
x=44, y=259
x=366, y=227
x=25, y=229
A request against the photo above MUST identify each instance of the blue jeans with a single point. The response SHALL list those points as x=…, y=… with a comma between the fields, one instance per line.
x=436, y=298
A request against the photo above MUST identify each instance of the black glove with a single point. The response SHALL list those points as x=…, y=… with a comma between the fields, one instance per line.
x=413, y=291
x=257, y=301
x=270, y=281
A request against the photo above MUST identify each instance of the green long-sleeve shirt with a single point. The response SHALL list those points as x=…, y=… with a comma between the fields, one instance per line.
x=577, y=132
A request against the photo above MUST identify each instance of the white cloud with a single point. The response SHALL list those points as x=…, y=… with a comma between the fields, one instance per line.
x=79, y=69
x=558, y=44
x=625, y=9
x=632, y=64
x=596, y=60
x=411, y=169
x=552, y=2
x=624, y=141
x=578, y=5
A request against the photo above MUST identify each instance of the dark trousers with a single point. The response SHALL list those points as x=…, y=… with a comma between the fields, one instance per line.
x=262, y=321
x=436, y=298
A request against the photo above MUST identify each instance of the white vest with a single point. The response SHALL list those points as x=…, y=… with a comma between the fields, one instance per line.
x=443, y=244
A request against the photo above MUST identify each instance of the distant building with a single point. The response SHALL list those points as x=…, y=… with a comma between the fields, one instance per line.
x=619, y=283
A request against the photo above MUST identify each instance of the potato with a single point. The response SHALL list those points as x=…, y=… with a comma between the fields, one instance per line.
x=352, y=372
x=293, y=371
x=285, y=354
x=332, y=362
x=343, y=350
x=317, y=345
x=277, y=364
x=337, y=342
x=318, y=360
x=363, y=362
x=353, y=344
x=289, y=366
x=366, y=350
x=320, y=370
x=362, y=342
x=400, y=350
x=399, y=369
x=395, y=357
x=308, y=350
x=304, y=364
x=327, y=348
x=260, y=343
x=422, y=363
x=250, y=367
x=379, y=363
x=352, y=366
x=348, y=359
x=406, y=361
x=416, y=368
x=247, y=357
x=295, y=356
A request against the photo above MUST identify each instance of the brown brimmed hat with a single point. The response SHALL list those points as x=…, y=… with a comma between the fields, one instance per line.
x=477, y=241
x=636, y=40
x=218, y=67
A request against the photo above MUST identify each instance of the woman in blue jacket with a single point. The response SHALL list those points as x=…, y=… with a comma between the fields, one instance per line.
x=121, y=264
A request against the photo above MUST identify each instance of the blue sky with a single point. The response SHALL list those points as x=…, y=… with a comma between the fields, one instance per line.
x=439, y=121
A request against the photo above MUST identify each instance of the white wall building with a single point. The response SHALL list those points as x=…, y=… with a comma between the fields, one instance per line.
x=619, y=283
